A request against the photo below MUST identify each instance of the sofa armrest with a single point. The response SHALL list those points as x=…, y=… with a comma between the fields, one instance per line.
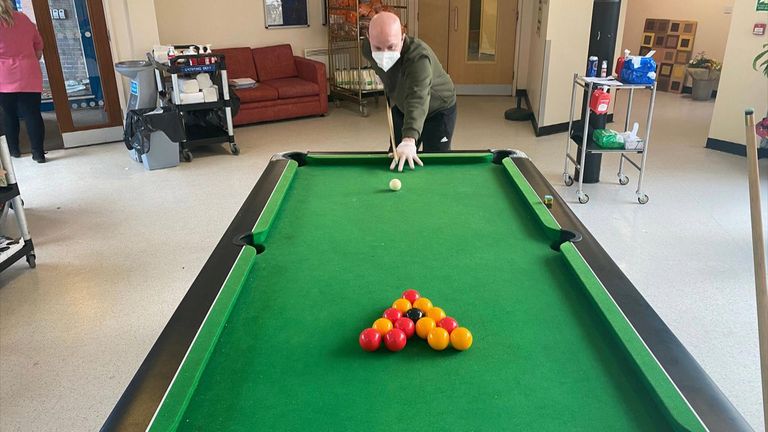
x=311, y=70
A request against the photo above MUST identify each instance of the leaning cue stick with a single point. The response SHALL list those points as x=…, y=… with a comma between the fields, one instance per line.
x=391, y=129
x=758, y=245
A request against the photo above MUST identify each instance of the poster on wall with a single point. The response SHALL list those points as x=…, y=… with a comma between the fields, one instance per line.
x=285, y=13
x=762, y=6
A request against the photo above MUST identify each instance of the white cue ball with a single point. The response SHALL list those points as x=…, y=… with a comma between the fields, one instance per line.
x=395, y=184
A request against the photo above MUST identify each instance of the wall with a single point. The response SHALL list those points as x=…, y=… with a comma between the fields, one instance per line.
x=565, y=24
x=711, y=32
x=239, y=23
x=133, y=31
x=740, y=86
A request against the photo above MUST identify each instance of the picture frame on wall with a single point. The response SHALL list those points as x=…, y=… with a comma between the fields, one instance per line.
x=286, y=14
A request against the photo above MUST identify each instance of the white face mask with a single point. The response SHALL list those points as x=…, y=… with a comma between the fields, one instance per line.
x=386, y=59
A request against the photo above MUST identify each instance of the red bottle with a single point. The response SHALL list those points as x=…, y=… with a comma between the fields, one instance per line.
x=619, y=66
x=600, y=101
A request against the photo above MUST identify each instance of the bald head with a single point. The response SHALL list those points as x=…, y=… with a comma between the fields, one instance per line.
x=385, y=32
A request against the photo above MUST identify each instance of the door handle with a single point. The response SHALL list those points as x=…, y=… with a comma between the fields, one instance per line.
x=456, y=18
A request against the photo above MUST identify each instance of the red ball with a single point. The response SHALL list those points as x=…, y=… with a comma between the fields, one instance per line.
x=395, y=340
x=392, y=314
x=370, y=339
x=449, y=324
x=411, y=295
x=406, y=325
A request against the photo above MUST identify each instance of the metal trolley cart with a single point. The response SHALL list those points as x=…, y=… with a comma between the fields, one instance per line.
x=350, y=74
x=204, y=123
x=13, y=250
x=584, y=139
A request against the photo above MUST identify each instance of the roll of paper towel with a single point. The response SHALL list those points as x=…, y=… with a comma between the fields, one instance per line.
x=204, y=81
x=190, y=98
x=211, y=94
x=188, y=85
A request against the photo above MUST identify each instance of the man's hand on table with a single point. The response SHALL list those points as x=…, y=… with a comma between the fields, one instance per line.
x=406, y=151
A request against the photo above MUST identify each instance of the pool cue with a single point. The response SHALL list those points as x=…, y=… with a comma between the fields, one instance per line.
x=758, y=246
x=392, y=144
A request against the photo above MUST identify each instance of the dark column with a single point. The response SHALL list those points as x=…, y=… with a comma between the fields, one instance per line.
x=602, y=44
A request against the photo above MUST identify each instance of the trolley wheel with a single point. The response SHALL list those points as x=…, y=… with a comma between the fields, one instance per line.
x=567, y=179
x=642, y=199
x=583, y=198
x=31, y=260
x=234, y=149
x=364, y=110
x=623, y=180
x=186, y=155
x=337, y=103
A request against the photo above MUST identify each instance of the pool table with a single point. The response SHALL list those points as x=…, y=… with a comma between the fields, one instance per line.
x=266, y=337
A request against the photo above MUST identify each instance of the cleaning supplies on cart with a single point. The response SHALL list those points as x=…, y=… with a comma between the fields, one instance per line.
x=204, y=81
x=620, y=63
x=608, y=139
x=631, y=140
x=211, y=94
x=188, y=85
x=600, y=100
x=192, y=98
x=639, y=70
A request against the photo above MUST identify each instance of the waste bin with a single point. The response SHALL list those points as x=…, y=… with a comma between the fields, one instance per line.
x=153, y=136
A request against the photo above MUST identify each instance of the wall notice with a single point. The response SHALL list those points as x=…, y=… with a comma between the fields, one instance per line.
x=762, y=6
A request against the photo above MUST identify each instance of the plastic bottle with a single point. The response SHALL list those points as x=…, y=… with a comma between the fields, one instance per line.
x=600, y=101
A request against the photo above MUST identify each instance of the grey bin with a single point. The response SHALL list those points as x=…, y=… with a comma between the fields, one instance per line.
x=163, y=153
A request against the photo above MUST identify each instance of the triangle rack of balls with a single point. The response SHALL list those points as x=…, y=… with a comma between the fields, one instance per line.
x=413, y=314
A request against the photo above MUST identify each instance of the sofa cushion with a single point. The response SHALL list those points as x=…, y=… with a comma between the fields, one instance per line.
x=274, y=62
x=260, y=93
x=293, y=87
x=239, y=62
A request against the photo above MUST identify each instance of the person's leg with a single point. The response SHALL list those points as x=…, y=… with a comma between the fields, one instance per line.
x=10, y=121
x=437, y=133
x=397, y=124
x=29, y=109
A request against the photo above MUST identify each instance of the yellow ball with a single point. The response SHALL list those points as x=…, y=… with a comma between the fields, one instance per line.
x=461, y=339
x=424, y=304
x=436, y=314
x=424, y=326
x=438, y=338
x=382, y=325
x=402, y=305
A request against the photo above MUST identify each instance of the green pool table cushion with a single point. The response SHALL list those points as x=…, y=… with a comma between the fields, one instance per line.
x=562, y=340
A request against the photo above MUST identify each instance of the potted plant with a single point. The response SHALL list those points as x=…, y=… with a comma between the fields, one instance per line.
x=705, y=73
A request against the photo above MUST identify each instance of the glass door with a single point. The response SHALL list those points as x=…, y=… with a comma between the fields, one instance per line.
x=79, y=76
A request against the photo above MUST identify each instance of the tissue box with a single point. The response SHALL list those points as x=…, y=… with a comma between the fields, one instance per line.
x=211, y=94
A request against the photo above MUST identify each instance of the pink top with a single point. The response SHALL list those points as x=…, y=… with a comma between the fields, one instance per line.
x=19, y=67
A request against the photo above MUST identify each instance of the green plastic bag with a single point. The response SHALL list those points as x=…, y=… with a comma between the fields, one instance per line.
x=608, y=139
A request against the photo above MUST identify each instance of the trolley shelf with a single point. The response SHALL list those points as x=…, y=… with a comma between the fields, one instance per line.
x=205, y=135
x=198, y=106
x=8, y=193
x=26, y=251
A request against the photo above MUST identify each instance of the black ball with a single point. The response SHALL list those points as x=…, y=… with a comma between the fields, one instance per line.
x=415, y=314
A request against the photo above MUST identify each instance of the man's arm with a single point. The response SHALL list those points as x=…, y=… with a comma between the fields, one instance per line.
x=418, y=81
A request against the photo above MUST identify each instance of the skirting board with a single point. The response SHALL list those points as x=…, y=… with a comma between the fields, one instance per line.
x=550, y=129
x=733, y=148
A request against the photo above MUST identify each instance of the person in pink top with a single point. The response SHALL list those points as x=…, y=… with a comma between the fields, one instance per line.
x=21, y=80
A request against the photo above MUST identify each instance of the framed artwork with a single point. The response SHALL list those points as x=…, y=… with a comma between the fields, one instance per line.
x=647, y=39
x=672, y=41
x=683, y=57
x=285, y=13
x=685, y=44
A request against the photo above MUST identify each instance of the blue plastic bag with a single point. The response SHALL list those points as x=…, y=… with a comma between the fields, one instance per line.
x=639, y=70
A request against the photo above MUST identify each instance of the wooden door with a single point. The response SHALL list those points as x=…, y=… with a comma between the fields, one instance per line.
x=481, y=42
x=433, y=27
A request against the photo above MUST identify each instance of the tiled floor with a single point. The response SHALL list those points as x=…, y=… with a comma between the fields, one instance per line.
x=118, y=247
